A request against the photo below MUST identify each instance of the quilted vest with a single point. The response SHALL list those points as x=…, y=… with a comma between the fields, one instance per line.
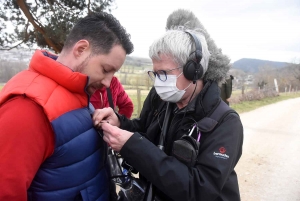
x=76, y=169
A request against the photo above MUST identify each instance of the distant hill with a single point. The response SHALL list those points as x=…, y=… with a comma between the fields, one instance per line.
x=253, y=65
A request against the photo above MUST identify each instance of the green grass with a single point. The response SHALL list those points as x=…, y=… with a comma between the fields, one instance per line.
x=247, y=106
x=135, y=103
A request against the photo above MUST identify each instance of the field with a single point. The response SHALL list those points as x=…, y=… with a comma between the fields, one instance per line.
x=244, y=106
x=132, y=93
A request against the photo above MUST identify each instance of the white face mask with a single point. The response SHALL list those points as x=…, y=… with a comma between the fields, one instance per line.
x=168, y=90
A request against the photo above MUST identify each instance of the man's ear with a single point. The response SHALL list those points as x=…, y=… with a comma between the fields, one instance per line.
x=80, y=48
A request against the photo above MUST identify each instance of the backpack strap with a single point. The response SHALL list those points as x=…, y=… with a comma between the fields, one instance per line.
x=110, y=100
x=209, y=122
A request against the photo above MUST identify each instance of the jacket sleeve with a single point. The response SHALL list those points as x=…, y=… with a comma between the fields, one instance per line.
x=123, y=101
x=202, y=182
x=140, y=124
x=26, y=140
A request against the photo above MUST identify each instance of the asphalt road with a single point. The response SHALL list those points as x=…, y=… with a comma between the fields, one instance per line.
x=269, y=168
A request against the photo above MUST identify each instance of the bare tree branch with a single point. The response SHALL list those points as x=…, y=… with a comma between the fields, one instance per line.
x=12, y=47
x=89, y=7
x=38, y=27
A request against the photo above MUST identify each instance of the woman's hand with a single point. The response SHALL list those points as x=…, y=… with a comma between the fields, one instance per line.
x=105, y=115
x=115, y=136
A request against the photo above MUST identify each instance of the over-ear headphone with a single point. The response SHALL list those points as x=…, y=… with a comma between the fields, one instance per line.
x=193, y=69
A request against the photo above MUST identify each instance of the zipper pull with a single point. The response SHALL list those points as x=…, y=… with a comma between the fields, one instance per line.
x=192, y=130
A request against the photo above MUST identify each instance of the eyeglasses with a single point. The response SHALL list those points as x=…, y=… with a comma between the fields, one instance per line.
x=161, y=74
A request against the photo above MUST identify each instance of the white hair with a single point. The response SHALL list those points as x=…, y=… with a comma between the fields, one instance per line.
x=179, y=46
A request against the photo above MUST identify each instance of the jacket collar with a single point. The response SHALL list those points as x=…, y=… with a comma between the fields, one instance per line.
x=203, y=104
x=45, y=64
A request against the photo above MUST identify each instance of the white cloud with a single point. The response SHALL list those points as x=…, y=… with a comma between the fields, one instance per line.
x=242, y=29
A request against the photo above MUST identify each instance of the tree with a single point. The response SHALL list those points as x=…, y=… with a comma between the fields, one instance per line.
x=296, y=73
x=219, y=64
x=44, y=22
x=293, y=75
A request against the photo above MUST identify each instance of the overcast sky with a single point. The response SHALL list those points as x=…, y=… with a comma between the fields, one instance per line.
x=260, y=29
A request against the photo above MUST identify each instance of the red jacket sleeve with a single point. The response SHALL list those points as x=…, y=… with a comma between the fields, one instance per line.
x=120, y=98
x=123, y=101
x=26, y=140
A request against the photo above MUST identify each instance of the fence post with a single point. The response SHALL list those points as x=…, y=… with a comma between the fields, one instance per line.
x=276, y=85
x=139, y=102
x=243, y=90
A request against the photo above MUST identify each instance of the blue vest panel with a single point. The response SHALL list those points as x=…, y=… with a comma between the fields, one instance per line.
x=76, y=170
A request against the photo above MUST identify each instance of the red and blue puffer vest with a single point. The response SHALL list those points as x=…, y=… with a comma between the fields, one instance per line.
x=76, y=169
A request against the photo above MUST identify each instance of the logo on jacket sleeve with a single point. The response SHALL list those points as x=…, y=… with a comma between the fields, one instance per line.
x=221, y=153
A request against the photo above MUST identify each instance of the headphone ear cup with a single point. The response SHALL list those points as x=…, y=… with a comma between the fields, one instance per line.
x=192, y=71
x=198, y=72
x=189, y=70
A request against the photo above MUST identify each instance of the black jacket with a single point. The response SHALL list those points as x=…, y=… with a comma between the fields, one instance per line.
x=213, y=177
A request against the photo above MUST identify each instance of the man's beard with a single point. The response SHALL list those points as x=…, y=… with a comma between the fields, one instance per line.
x=93, y=87
x=81, y=68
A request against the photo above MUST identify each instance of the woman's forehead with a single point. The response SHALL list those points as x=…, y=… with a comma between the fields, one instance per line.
x=165, y=63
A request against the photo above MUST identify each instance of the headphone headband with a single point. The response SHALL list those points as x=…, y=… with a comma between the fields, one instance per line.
x=198, y=51
x=193, y=70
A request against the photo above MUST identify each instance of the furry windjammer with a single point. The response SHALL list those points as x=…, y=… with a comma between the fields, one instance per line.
x=219, y=64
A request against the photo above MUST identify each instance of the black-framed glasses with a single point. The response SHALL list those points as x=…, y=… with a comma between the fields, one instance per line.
x=161, y=74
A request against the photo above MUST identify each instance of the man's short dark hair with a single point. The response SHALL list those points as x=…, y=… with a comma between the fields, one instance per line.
x=102, y=30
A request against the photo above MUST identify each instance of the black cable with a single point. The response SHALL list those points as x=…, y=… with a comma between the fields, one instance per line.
x=185, y=109
x=158, y=119
x=110, y=100
x=165, y=126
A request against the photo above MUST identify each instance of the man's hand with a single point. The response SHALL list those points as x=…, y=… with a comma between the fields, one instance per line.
x=115, y=136
x=105, y=115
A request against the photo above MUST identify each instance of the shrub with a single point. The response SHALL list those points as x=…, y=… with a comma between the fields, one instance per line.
x=253, y=95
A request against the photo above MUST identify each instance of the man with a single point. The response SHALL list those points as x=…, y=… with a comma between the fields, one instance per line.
x=180, y=61
x=49, y=149
x=120, y=98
